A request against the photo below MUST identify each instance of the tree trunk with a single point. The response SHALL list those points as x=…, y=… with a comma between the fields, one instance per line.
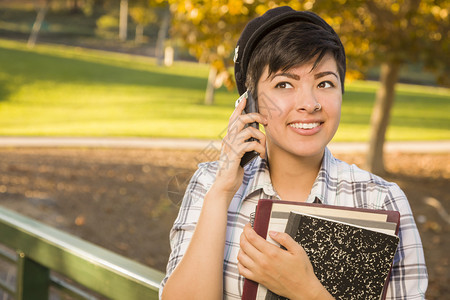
x=381, y=115
x=162, y=33
x=37, y=25
x=139, y=37
x=123, y=20
x=75, y=9
x=210, y=87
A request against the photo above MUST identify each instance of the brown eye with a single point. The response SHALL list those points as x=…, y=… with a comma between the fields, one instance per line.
x=283, y=85
x=325, y=85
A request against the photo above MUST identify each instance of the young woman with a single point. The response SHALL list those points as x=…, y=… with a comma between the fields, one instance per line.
x=293, y=63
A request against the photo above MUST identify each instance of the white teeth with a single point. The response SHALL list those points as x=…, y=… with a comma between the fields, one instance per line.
x=304, y=125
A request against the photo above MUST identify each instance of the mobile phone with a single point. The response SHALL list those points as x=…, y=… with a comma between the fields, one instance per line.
x=250, y=107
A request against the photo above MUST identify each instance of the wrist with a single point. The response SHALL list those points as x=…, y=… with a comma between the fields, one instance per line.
x=320, y=292
x=224, y=189
x=315, y=291
x=218, y=195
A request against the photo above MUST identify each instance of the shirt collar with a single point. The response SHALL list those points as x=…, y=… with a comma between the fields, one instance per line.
x=258, y=178
x=323, y=186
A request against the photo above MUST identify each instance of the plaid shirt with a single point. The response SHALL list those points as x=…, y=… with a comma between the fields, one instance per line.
x=336, y=184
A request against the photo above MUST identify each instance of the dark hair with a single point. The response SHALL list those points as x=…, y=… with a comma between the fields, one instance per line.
x=291, y=45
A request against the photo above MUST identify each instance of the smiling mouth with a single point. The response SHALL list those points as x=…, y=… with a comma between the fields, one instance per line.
x=305, y=125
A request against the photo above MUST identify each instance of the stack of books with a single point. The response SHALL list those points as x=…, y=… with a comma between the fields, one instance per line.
x=351, y=249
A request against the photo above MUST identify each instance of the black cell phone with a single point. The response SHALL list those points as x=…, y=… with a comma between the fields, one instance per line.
x=250, y=107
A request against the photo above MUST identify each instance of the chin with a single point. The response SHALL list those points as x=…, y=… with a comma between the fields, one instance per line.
x=311, y=152
x=302, y=150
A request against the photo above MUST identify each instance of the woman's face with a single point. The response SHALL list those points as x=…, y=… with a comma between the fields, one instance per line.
x=290, y=101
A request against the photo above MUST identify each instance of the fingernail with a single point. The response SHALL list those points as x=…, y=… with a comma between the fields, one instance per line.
x=273, y=233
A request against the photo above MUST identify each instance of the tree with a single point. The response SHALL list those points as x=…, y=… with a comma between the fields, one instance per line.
x=42, y=11
x=123, y=20
x=163, y=29
x=75, y=7
x=210, y=30
x=390, y=34
x=142, y=14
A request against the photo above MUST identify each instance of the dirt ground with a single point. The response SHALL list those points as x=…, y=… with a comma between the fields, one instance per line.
x=126, y=200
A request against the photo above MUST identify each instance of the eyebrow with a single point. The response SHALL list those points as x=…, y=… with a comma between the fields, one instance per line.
x=323, y=74
x=286, y=74
x=296, y=77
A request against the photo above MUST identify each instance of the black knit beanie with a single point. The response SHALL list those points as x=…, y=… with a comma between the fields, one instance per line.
x=257, y=28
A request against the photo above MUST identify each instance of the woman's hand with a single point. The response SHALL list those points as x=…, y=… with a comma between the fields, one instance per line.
x=234, y=146
x=288, y=273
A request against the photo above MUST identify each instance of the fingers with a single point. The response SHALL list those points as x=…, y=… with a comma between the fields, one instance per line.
x=250, y=237
x=236, y=142
x=240, y=120
x=248, y=255
x=245, y=264
x=238, y=110
x=250, y=241
x=239, y=124
x=256, y=256
x=246, y=133
x=286, y=241
x=253, y=248
x=241, y=143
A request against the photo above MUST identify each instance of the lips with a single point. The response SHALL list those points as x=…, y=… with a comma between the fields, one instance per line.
x=311, y=125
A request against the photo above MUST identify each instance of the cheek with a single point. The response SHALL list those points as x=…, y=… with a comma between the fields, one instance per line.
x=334, y=113
x=276, y=120
x=275, y=127
x=337, y=111
x=272, y=108
x=332, y=106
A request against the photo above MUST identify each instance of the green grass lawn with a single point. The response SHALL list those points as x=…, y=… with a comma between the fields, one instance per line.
x=68, y=91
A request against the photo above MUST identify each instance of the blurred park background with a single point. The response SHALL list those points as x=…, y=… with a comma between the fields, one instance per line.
x=163, y=69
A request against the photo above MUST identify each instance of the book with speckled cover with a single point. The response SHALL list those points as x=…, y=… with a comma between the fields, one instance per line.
x=351, y=262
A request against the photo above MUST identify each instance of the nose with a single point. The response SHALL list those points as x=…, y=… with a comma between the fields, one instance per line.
x=306, y=101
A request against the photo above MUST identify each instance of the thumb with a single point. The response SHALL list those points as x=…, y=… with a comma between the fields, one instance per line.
x=285, y=240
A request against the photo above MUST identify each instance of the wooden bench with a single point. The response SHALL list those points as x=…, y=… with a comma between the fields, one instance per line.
x=47, y=257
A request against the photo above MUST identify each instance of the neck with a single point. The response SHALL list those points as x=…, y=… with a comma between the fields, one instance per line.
x=293, y=176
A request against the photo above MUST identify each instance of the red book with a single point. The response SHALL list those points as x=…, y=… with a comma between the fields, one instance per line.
x=274, y=215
